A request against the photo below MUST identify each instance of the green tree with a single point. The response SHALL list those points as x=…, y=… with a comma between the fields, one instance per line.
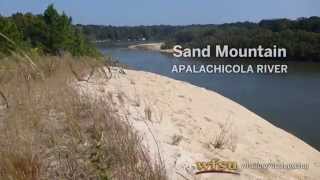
x=10, y=36
x=59, y=30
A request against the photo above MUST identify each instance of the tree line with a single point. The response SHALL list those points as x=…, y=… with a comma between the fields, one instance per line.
x=301, y=37
x=53, y=33
x=48, y=33
x=127, y=33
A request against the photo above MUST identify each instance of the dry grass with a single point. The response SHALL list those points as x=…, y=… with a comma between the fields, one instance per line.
x=225, y=137
x=148, y=113
x=50, y=129
x=176, y=139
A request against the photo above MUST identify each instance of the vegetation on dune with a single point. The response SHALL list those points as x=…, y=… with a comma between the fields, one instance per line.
x=53, y=129
x=48, y=33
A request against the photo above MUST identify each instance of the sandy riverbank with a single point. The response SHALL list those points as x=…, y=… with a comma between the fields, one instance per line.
x=151, y=46
x=186, y=122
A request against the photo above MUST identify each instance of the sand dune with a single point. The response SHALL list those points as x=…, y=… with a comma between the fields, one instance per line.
x=182, y=123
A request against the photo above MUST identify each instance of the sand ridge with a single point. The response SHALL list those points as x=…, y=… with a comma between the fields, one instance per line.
x=182, y=123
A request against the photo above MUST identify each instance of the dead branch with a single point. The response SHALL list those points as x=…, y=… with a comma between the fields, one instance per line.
x=4, y=99
x=105, y=73
x=78, y=77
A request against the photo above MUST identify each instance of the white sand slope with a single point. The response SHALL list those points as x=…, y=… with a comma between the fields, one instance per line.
x=186, y=120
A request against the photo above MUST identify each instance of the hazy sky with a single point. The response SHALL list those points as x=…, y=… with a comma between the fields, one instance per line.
x=150, y=12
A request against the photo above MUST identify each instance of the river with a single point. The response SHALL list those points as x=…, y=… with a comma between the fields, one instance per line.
x=290, y=101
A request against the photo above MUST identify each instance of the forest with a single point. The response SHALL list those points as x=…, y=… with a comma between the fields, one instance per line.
x=50, y=33
x=127, y=33
x=301, y=37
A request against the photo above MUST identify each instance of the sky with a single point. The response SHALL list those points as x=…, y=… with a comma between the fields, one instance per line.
x=171, y=12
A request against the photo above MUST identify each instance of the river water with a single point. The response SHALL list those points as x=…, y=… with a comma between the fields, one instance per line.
x=290, y=101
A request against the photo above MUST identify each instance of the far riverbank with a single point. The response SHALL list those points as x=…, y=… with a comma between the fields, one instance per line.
x=151, y=46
